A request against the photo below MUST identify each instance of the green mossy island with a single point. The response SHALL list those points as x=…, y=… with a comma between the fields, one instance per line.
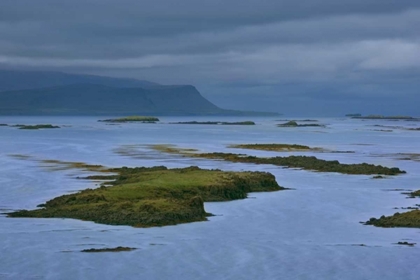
x=156, y=196
x=308, y=163
x=140, y=119
x=218, y=123
x=295, y=124
x=303, y=162
x=409, y=219
x=37, y=126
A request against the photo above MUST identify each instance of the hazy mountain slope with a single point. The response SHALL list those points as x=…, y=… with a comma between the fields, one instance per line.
x=99, y=99
x=19, y=80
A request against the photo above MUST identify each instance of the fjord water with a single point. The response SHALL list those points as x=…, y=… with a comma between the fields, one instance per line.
x=309, y=232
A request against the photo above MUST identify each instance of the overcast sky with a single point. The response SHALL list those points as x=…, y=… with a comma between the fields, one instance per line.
x=277, y=55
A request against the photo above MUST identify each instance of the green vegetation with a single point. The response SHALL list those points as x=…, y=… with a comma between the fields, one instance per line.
x=218, y=123
x=141, y=119
x=156, y=196
x=275, y=147
x=303, y=162
x=295, y=124
x=353, y=115
x=3, y=124
x=308, y=163
x=409, y=219
x=102, y=250
x=38, y=126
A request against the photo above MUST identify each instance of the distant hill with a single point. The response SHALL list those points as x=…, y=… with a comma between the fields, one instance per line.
x=54, y=93
x=19, y=80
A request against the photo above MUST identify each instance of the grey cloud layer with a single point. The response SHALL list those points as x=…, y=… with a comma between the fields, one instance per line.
x=214, y=43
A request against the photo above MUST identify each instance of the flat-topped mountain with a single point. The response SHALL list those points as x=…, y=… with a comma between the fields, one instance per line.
x=68, y=94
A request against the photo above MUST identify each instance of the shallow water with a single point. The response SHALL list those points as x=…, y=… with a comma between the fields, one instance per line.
x=310, y=232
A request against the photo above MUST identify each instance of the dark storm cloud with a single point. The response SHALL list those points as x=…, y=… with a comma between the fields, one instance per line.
x=224, y=47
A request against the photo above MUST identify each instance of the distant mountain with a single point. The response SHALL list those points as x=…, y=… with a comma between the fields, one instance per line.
x=53, y=93
x=19, y=80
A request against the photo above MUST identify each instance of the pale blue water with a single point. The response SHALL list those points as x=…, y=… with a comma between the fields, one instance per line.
x=305, y=233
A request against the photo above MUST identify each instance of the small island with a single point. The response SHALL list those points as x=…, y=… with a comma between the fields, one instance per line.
x=354, y=115
x=295, y=124
x=409, y=219
x=37, y=126
x=138, y=119
x=218, y=123
x=381, y=117
x=104, y=250
x=304, y=162
x=275, y=147
x=154, y=196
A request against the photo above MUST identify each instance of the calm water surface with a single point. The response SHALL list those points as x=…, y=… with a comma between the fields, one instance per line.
x=310, y=232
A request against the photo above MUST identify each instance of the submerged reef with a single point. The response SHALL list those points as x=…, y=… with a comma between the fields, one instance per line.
x=409, y=219
x=295, y=124
x=141, y=119
x=218, y=123
x=155, y=196
x=37, y=126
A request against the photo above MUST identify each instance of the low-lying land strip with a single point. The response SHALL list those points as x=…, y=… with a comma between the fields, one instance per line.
x=303, y=162
x=36, y=126
x=295, y=124
x=104, y=250
x=217, y=123
x=156, y=196
x=381, y=117
x=275, y=147
x=140, y=119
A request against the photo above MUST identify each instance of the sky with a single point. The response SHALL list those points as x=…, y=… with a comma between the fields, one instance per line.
x=297, y=57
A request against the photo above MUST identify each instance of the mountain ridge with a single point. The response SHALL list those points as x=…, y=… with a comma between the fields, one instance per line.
x=72, y=94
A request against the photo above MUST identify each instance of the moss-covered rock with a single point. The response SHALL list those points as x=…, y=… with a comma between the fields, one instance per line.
x=157, y=196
